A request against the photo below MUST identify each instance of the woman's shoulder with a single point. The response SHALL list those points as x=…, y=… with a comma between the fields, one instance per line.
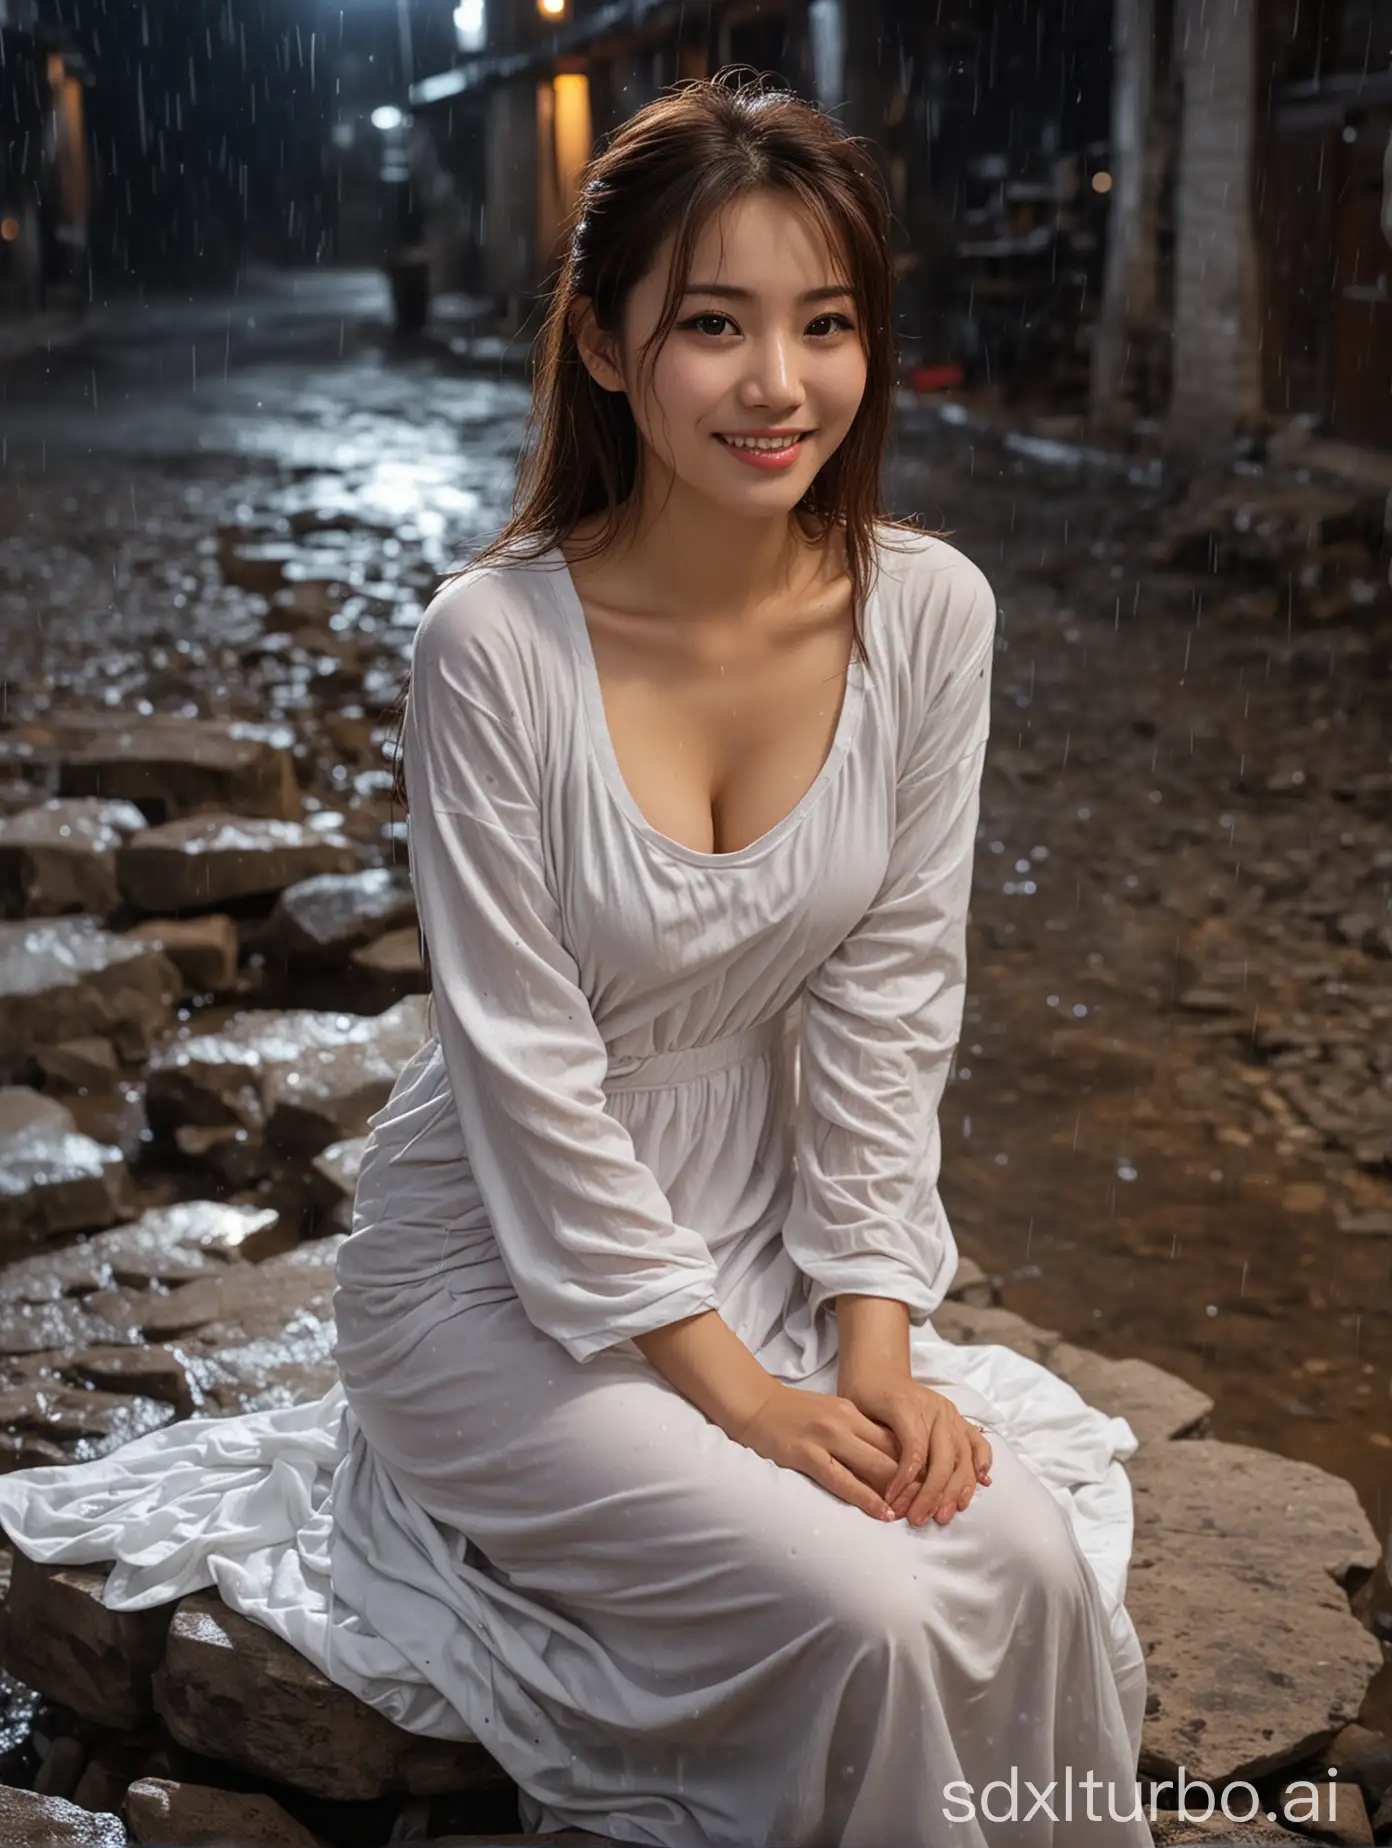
x=489, y=616
x=940, y=607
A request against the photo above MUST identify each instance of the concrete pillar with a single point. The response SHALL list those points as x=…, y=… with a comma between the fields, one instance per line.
x=1216, y=369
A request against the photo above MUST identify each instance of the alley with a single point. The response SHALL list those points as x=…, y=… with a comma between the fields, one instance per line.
x=1169, y=1133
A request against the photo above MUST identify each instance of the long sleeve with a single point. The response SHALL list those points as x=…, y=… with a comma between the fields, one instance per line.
x=880, y=1018
x=585, y=1232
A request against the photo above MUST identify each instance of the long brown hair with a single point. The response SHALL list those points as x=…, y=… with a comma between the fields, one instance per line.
x=699, y=146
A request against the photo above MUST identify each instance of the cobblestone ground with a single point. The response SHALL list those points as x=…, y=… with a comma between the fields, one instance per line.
x=1169, y=1133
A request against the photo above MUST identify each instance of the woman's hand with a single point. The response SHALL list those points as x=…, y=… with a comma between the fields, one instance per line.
x=829, y=1439
x=942, y=1455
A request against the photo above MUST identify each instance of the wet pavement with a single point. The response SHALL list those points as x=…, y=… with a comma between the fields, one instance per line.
x=1169, y=1133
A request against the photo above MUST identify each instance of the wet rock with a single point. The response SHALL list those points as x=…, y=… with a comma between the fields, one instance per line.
x=107, y=1777
x=81, y=1423
x=63, y=1765
x=970, y=1285
x=392, y=966
x=1238, y=1588
x=167, y=1245
x=202, y=861
x=31, y=1821
x=40, y=1328
x=335, y=1171
x=148, y=1372
x=87, y=1064
x=68, y=979
x=203, y=950
x=172, y=766
x=323, y=920
x=1157, y=1405
x=256, y=564
x=303, y=1078
x=260, y=1336
x=53, y=1179
x=1336, y=1811
x=191, y=1815
x=237, y=1157
x=56, y=1635
x=973, y=1325
x=232, y=1690
x=61, y=856
x=1364, y=1758
x=1172, y=1830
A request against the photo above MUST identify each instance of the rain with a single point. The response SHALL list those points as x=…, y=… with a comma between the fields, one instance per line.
x=271, y=272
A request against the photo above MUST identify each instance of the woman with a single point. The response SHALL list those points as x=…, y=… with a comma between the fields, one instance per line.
x=653, y=1473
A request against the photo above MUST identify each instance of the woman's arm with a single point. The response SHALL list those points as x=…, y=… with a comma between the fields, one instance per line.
x=706, y=1361
x=586, y=1233
x=880, y=1018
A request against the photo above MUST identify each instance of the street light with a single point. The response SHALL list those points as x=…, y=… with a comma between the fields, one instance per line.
x=470, y=25
x=552, y=9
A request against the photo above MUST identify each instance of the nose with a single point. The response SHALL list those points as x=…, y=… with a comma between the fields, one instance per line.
x=773, y=376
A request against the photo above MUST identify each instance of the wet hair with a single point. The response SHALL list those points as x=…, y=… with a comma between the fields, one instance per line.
x=702, y=145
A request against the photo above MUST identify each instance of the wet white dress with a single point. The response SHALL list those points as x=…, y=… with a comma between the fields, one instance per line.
x=667, y=1081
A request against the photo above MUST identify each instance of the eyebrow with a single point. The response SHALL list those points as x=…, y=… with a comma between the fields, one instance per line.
x=729, y=293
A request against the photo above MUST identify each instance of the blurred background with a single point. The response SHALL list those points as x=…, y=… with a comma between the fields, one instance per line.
x=270, y=271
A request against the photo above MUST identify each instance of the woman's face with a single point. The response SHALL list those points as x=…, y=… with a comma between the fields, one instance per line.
x=766, y=340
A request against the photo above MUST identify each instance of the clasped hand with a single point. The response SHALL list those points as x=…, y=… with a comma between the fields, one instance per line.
x=890, y=1446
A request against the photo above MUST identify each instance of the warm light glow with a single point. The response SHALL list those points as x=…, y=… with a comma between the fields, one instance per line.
x=1101, y=182
x=9, y=229
x=551, y=9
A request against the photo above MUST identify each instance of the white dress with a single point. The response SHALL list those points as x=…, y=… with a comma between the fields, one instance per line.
x=666, y=1081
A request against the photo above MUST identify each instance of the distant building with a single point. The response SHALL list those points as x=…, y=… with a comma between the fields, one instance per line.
x=45, y=167
x=988, y=144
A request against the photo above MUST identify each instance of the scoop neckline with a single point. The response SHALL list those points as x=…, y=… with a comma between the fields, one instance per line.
x=602, y=743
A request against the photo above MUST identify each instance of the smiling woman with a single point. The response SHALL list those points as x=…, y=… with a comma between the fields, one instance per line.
x=647, y=1466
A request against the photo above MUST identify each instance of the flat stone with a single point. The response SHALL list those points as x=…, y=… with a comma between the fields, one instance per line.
x=234, y=1691
x=253, y=1302
x=202, y=861
x=30, y=1821
x=168, y=1245
x=1157, y=1405
x=87, y=1064
x=203, y=950
x=323, y=920
x=67, y=979
x=303, y=1078
x=1237, y=1586
x=171, y=766
x=150, y=1372
x=56, y=1635
x=392, y=963
x=191, y=1815
x=1336, y=1811
x=64, y=1762
x=335, y=1171
x=1171, y=1830
x=975, y=1325
x=61, y=856
x=53, y=1179
x=971, y=1285
x=40, y=1328
x=82, y=1422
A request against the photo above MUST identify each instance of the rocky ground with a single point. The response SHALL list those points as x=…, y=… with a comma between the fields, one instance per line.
x=1168, y=1143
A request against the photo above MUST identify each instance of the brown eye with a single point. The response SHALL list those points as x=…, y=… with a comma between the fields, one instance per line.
x=709, y=315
